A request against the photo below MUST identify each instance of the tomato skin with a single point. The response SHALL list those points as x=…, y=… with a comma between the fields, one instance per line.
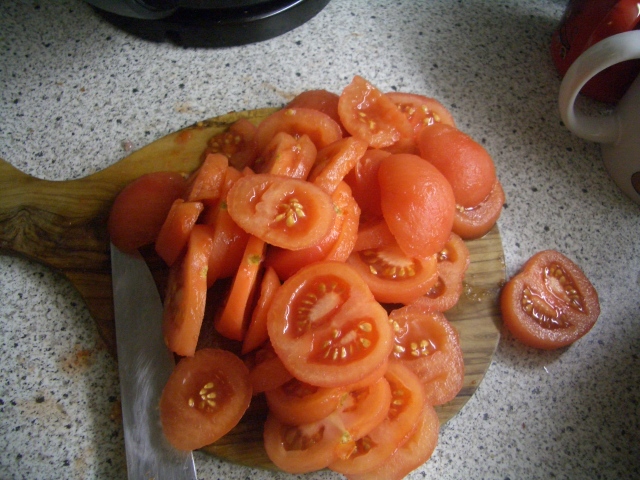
x=464, y=162
x=471, y=223
x=141, y=207
x=326, y=327
x=417, y=203
x=369, y=115
x=550, y=303
x=191, y=419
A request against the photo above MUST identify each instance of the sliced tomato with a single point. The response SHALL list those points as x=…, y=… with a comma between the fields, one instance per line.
x=373, y=233
x=375, y=448
x=257, y=331
x=551, y=303
x=336, y=244
x=297, y=403
x=175, y=231
x=288, y=156
x=369, y=115
x=428, y=344
x=421, y=111
x=417, y=204
x=411, y=454
x=392, y=276
x=237, y=143
x=464, y=162
x=233, y=320
x=186, y=295
x=323, y=100
x=321, y=129
x=335, y=161
x=140, y=209
x=362, y=409
x=363, y=180
x=204, y=398
x=326, y=326
x=285, y=212
x=206, y=183
x=471, y=223
x=266, y=370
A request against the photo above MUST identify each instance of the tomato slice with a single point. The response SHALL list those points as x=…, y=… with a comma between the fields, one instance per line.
x=417, y=204
x=471, y=223
x=363, y=180
x=206, y=183
x=297, y=403
x=373, y=233
x=375, y=448
x=464, y=162
x=323, y=100
x=326, y=326
x=369, y=115
x=335, y=161
x=257, y=331
x=411, y=454
x=421, y=111
x=392, y=276
x=266, y=370
x=140, y=209
x=428, y=344
x=336, y=244
x=285, y=212
x=237, y=143
x=551, y=303
x=320, y=128
x=204, y=398
x=175, y=231
x=186, y=294
x=364, y=408
x=288, y=156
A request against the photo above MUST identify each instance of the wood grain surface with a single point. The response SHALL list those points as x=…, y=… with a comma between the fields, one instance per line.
x=63, y=225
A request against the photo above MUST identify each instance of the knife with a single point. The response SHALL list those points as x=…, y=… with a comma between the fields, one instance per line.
x=144, y=365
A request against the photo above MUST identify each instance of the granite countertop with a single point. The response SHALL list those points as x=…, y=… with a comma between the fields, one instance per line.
x=77, y=93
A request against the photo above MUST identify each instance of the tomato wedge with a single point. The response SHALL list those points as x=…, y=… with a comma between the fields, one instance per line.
x=185, y=300
x=369, y=115
x=285, y=212
x=428, y=344
x=204, y=398
x=175, y=231
x=551, y=303
x=335, y=161
x=237, y=143
x=471, y=223
x=326, y=327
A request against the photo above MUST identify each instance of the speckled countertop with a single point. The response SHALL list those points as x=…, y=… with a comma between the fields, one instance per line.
x=75, y=91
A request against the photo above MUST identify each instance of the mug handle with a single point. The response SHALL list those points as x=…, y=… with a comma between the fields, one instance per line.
x=607, y=52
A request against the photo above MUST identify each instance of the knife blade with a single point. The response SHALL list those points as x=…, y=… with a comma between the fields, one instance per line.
x=144, y=365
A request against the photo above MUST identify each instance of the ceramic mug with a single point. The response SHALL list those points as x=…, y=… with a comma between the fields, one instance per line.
x=619, y=132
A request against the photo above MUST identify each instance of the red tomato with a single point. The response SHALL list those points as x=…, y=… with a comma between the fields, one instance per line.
x=285, y=212
x=417, y=203
x=320, y=128
x=363, y=180
x=411, y=454
x=326, y=327
x=376, y=447
x=237, y=143
x=464, y=162
x=421, y=111
x=364, y=408
x=257, y=333
x=287, y=156
x=369, y=115
x=206, y=183
x=140, y=209
x=204, y=398
x=373, y=234
x=392, y=276
x=335, y=161
x=266, y=370
x=185, y=300
x=323, y=100
x=427, y=344
x=551, y=303
x=475, y=222
x=175, y=231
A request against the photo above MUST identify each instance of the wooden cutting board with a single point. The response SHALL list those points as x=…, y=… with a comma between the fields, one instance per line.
x=62, y=224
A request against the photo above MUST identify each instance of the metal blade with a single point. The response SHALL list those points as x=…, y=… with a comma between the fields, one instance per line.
x=144, y=364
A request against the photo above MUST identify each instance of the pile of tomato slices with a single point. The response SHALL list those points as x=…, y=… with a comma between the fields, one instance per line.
x=337, y=229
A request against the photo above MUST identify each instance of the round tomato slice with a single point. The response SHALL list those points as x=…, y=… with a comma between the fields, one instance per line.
x=266, y=370
x=326, y=327
x=323, y=100
x=392, y=276
x=287, y=156
x=237, y=144
x=369, y=115
x=551, y=303
x=417, y=204
x=204, y=398
x=421, y=111
x=471, y=223
x=285, y=212
x=335, y=161
x=375, y=448
x=364, y=408
x=428, y=344
x=140, y=209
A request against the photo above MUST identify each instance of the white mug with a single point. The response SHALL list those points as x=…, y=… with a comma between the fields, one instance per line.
x=619, y=133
